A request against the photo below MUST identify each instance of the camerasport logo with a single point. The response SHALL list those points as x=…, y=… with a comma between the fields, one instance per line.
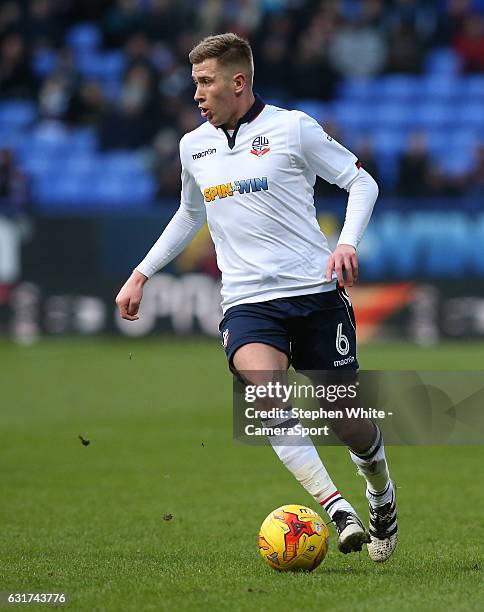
x=260, y=146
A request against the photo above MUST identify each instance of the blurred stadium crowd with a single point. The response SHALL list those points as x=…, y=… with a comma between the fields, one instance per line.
x=95, y=94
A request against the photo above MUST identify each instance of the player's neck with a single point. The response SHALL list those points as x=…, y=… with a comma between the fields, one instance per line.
x=242, y=109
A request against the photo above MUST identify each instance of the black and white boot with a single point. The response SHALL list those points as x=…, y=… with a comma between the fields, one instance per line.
x=383, y=530
x=351, y=532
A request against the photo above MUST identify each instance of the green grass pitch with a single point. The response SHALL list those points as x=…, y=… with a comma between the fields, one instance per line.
x=91, y=520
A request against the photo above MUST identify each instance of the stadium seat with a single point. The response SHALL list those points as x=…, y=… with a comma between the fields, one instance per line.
x=395, y=87
x=356, y=90
x=112, y=88
x=121, y=163
x=469, y=114
x=433, y=114
x=84, y=37
x=388, y=169
x=16, y=114
x=314, y=108
x=389, y=141
x=43, y=192
x=437, y=140
x=108, y=65
x=114, y=63
x=354, y=115
x=83, y=139
x=439, y=87
x=442, y=61
x=117, y=191
x=39, y=165
x=44, y=62
x=37, y=155
x=65, y=190
x=478, y=5
x=7, y=137
x=32, y=145
x=463, y=140
x=79, y=163
x=144, y=189
x=455, y=161
x=453, y=150
x=110, y=190
x=473, y=87
x=93, y=189
x=397, y=114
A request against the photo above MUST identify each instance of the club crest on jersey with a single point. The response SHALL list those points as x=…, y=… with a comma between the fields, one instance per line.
x=225, y=337
x=260, y=146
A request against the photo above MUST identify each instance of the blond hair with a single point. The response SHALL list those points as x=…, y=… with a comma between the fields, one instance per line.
x=228, y=49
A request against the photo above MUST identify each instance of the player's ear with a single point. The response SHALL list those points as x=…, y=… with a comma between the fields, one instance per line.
x=239, y=82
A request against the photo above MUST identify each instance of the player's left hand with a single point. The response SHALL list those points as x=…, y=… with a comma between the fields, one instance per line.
x=345, y=263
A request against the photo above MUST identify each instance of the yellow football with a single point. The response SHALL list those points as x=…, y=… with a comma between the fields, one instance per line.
x=293, y=537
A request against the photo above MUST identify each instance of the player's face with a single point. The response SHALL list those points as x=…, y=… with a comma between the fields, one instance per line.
x=216, y=92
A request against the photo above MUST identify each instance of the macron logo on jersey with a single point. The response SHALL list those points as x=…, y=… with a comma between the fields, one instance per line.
x=229, y=189
x=204, y=153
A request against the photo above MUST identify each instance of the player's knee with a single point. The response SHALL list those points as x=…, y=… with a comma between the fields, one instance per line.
x=257, y=357
x=259, y=378
x=266, y=382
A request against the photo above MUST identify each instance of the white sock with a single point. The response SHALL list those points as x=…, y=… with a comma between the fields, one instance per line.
x=301, y=458
x=372, y=465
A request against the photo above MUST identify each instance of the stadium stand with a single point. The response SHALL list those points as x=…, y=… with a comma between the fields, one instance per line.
x=70, y=71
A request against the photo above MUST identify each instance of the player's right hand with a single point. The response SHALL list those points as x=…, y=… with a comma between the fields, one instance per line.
x=128, y=299
x=344, y=262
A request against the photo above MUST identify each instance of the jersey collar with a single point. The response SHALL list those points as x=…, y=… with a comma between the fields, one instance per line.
x=249, y=116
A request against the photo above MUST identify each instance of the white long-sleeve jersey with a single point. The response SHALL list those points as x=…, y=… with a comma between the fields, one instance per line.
x=255, y=189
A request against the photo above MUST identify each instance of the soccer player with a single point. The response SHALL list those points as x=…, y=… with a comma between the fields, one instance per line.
x=249, y=170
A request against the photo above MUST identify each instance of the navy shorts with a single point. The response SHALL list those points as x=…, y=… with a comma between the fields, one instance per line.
x=316, y=332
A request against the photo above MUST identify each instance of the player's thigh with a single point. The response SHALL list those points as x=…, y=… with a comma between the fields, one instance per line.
x=261, y=364
x=259, y=356
x=326, y=338
x=255, y=339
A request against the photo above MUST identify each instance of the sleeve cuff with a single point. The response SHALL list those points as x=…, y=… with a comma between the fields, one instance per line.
x=345, y=238
x=144, y=269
